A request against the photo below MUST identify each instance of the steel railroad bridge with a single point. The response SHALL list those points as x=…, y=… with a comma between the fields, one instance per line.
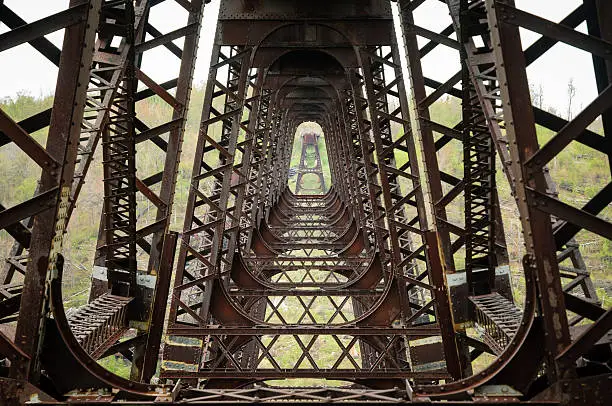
x=391, y=284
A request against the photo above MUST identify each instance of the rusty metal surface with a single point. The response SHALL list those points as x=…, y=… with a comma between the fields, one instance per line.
x=310, y=150
x=62, y=140
x=100, y=323
x=257, y=262
x=498, y=317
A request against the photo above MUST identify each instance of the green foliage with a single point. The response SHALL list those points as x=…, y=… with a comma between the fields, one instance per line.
x=117, y=365
x=580, y=171
x=25, y=105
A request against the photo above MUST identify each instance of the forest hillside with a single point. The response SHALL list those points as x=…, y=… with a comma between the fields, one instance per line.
x=20, y=175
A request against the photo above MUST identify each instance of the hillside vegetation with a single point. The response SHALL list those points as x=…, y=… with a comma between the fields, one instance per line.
x=580, y=173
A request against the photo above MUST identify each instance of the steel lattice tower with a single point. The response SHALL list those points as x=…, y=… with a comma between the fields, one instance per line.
x=385, y=284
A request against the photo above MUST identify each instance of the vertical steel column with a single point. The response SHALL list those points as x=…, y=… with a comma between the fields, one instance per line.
x=523, y=143
x=62, y=143
x=346, y=160
x=352, y=166
x=284, y=146
x=119, y=161
x=485, y=216
x=357, y=108
x=349, y=165
x=345, y=172
x=401, y=189
x=256, y=186
x=268, y=168
x=207, y=217
x=174, y=147
x=431, y=167
x=156, y=321
x=336, y=169
x=452, y=349
x=361, y=126
x=366, y=200
x=479, y=169
x=240, y=214
x=104, y=80
x=286, y=155
x=400, y=185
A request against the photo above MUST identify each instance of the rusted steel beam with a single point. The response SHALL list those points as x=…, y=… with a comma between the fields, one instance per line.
x=305, y=329
x=39, y=203
x=26, y=143
x=452, y=354
x=104, y=79
x=156, y=321
x=227, y=323
x=537, y=228
x=205, y=225
x=471, y=131
x=41, y=44
x=119, y=166
x=33, y=31
x=99, y=324
x=62, y=142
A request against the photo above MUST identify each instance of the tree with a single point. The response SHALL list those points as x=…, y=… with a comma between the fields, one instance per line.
x=537, y=95
x=571, y=93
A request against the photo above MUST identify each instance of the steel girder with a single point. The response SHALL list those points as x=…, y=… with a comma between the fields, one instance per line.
x=311, y=141
x=209, y=289
x=107, y=94
x=50, y=215
x=534, y=201
x=156, y=187
x=485, y=66
x=364, y=247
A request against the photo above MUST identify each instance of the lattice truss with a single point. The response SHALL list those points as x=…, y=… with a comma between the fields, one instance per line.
x=131, y=238
x=310, y=164
x=309, y=271
x=396, y=274
x=480, y=233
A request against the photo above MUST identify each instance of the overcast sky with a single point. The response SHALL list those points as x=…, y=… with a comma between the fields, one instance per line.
x=24, y=69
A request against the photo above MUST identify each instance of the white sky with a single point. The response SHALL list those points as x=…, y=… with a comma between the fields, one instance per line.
x=24, y=69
